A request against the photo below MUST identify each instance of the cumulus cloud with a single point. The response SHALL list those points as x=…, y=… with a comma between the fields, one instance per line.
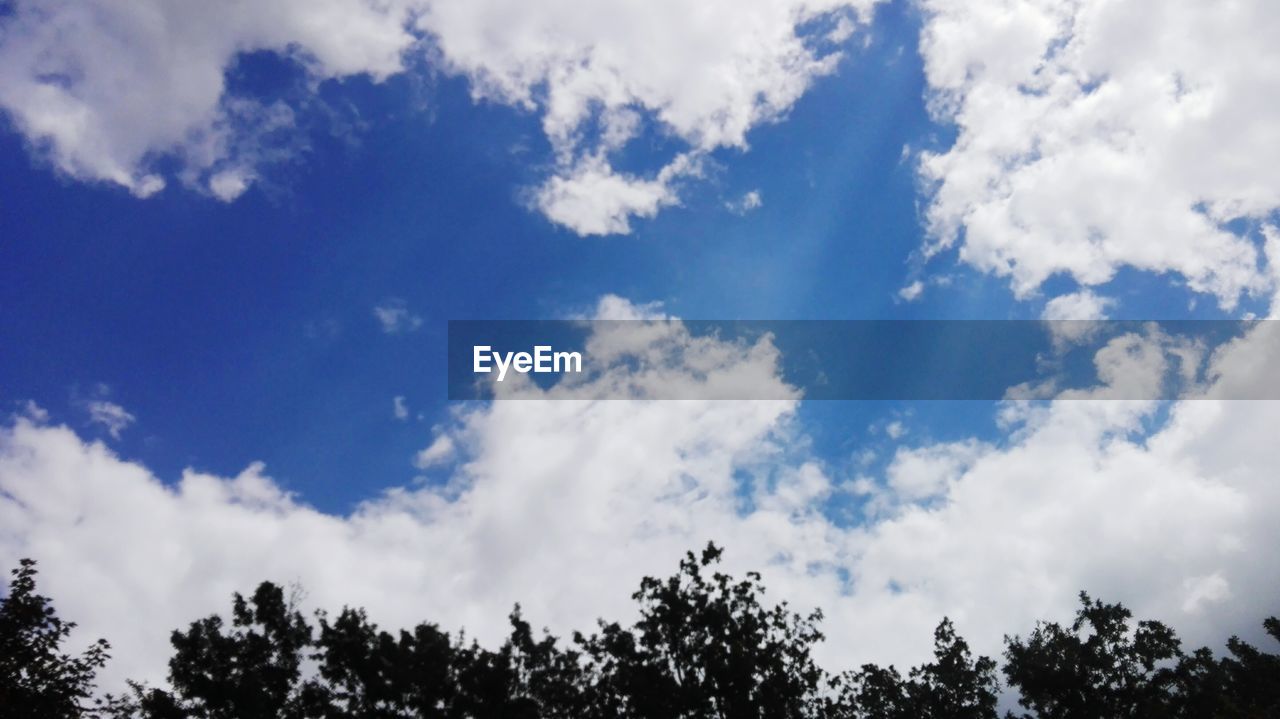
x=1075, y=317
x=592, y=199
x=920, y=473
x=1097, y=135
x=399, y=409
x=1077, y=502
x=1246, y=366
x=104, y=91
x=1177, y=522
x=601, y=72
x=594, y=493
x=395, y=317
x=1083, y=305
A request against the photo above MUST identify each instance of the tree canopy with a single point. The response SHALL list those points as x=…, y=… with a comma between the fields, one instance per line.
x=705, y=645
x=38, y=680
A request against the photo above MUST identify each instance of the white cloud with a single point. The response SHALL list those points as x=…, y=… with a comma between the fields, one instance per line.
x=540, y=489
x=1247, y=366
x=924, y=472
x=606, y=69
x=592, y=199
x=612, y=307
x=1202, y=592
x=1096, y=135
x=1178, y=523
x=399, y=409
x=1075, y=317
x=750, y=201
x=227, y=185
x=105, y=90
x=1083, y=305
x=394, y=317
x=111, y=416
x=439, y=451
x=1075, y=503
x=912, y=291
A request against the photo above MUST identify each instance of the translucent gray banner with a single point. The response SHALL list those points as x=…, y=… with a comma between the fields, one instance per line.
x=673, y=359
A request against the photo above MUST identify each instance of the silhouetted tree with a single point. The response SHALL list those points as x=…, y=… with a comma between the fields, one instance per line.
x=360, y=671
x=370, y=673
x=1252, y=678
x=874, y=692
x=251, y=670
x=1100, y=666
x=705, y=645
x=38, y=680
x=1104, y=665
x=1245, y=684
x=953, y=686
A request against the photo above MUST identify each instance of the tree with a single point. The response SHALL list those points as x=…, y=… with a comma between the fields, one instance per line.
x=254, y=670
x=251, y=671
x=370, y=673
x=1099, y=666
x=705, y=646
x=38, y=680
x=1249, y=681
x=1106, y=665
x=953, y=686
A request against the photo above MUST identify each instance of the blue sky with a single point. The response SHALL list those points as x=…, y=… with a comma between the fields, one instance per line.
x=245, y=331
x=199, y=226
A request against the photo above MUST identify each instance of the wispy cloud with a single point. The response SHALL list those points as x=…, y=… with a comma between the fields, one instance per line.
x=110, y=416
x=912, y=291
x=748, y=202
x=395, y=317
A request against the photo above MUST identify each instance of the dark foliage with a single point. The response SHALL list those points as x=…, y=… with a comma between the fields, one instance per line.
x=954, y=685
x=37, y=680
x=705, y=645
x=1104, y=665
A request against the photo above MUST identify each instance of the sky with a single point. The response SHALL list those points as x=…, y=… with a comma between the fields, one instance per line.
x=232, y=236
